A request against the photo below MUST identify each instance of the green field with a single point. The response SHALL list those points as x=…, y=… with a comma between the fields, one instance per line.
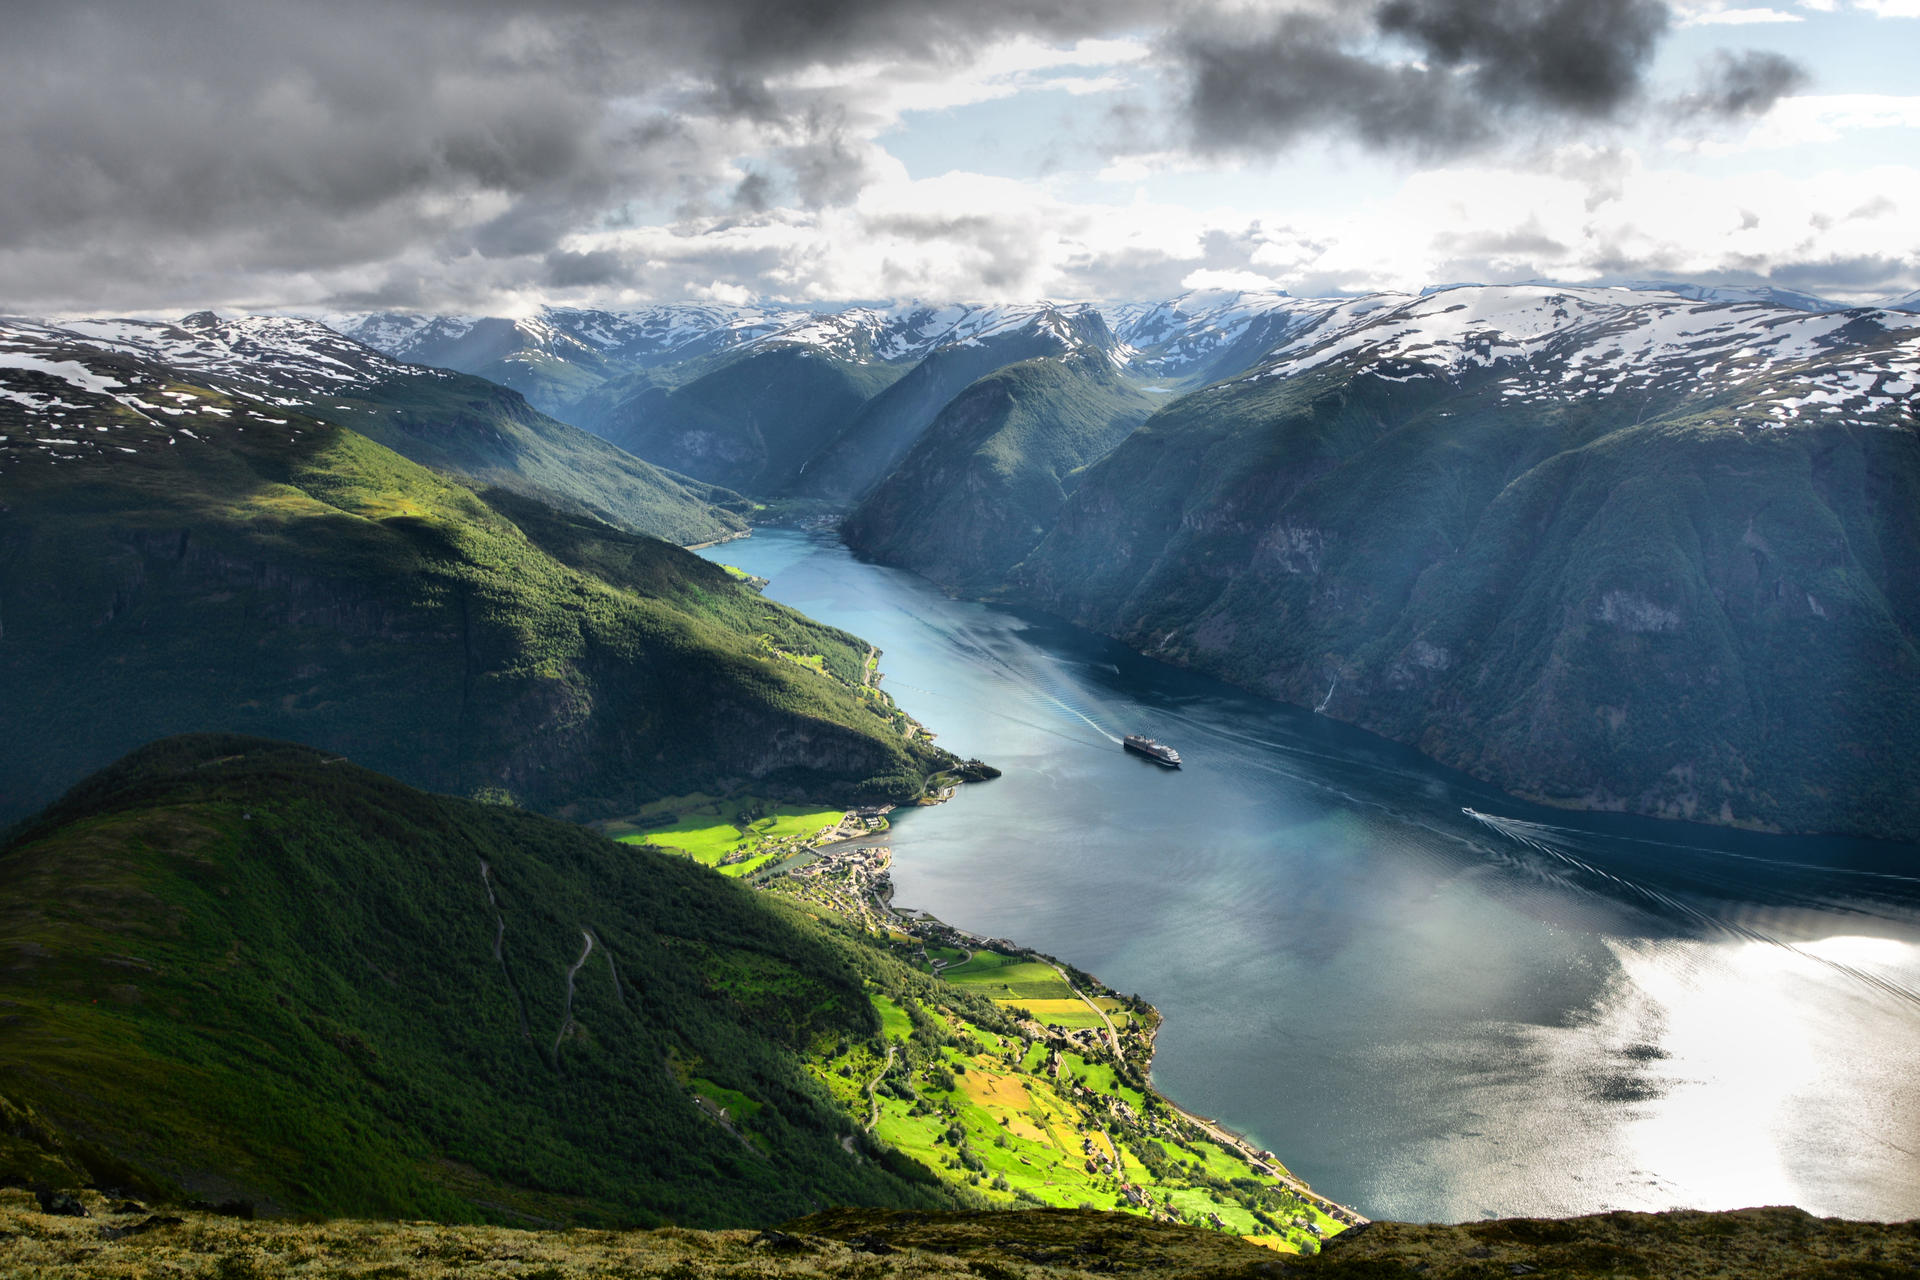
x=712, y=830
x=1033, y=986
x=999, y=977
x=894, y=1023
x=1000, y=1115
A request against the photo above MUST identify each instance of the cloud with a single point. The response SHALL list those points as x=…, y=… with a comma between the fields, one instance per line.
x=1719, y=16
x=1436, y=78
x=567, y=270
x=1578, y=214
x=215, y=144
x=1209, y=279
x=1494, y=223
x=1427, y=76
x=1812, y=120
x=493, y=154
x=1744, y=85
x=1581, y=57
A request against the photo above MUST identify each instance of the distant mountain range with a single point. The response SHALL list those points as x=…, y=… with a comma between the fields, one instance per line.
x=1643, y=547
x=1629, y=547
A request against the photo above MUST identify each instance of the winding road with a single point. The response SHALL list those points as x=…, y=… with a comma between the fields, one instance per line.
x=1113, y=1037
x=566, y=1023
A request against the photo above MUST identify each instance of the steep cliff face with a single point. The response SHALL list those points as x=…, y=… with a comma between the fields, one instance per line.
x=1690, y=595
x=989, y=476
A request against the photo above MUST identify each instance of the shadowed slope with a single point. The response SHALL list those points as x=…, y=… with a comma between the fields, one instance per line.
x=242, y=969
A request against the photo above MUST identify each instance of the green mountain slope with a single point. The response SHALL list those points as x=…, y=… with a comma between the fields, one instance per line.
x=750, y=424
x=487, y=434
x=259, y=571
x=1693, y=602
x=248, y=970
x=241, y=969
x=988, y=478
x=873, y=443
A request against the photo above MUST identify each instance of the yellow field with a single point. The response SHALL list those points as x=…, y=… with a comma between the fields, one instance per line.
x=989, y=1089
x=1070, y=1013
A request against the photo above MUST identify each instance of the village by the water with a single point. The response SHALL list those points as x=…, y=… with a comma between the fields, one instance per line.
x=1053, y=1105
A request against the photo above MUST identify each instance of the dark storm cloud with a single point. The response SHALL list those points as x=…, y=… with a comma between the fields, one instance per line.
x=567, y=270
x=1745, y=84
x=259, y=136
x=1582, y=57
x=1261, y=90
x=195, y=151
x=1435, y=77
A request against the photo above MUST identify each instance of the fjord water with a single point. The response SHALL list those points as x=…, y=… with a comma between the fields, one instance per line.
x=1430, y=1015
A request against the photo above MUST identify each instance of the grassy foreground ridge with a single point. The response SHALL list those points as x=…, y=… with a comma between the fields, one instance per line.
x=1783, y=1244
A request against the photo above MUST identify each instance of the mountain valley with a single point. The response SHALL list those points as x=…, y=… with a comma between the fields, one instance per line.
x=1609, y=549
x=909, y=640
x=1647, y=549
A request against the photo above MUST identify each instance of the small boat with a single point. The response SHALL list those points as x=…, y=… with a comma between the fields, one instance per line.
x=1158, y=752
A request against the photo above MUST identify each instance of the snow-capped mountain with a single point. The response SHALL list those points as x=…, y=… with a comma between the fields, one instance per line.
x=291, y=353
x=1208, y=333
x=913, y=331
x=638, y=338
x=652, y=336
x=1551, y=344
x=95, y=388
x=1736, y=293
x=101, y=389
x=1904, y=302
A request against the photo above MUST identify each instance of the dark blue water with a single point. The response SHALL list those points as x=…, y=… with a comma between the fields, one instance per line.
x=1430, y=1015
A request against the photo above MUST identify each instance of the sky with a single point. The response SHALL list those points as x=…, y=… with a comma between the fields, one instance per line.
x=162, y=156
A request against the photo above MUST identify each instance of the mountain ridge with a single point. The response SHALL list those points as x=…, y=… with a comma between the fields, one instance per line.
x=265, y=571
x=1641, y=555
x=452, y=421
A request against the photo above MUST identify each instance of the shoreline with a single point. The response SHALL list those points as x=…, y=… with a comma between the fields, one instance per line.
x=718, y=542
x=873, y=891
x=1261, y=1160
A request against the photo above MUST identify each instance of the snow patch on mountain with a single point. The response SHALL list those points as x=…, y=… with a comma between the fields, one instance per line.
x=120, y=389
x=1587, y=338
x=1183, y=335
x=67, y=370
x=286, y=351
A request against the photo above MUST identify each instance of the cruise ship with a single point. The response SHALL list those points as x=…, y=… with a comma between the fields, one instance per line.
x=1159, y=752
